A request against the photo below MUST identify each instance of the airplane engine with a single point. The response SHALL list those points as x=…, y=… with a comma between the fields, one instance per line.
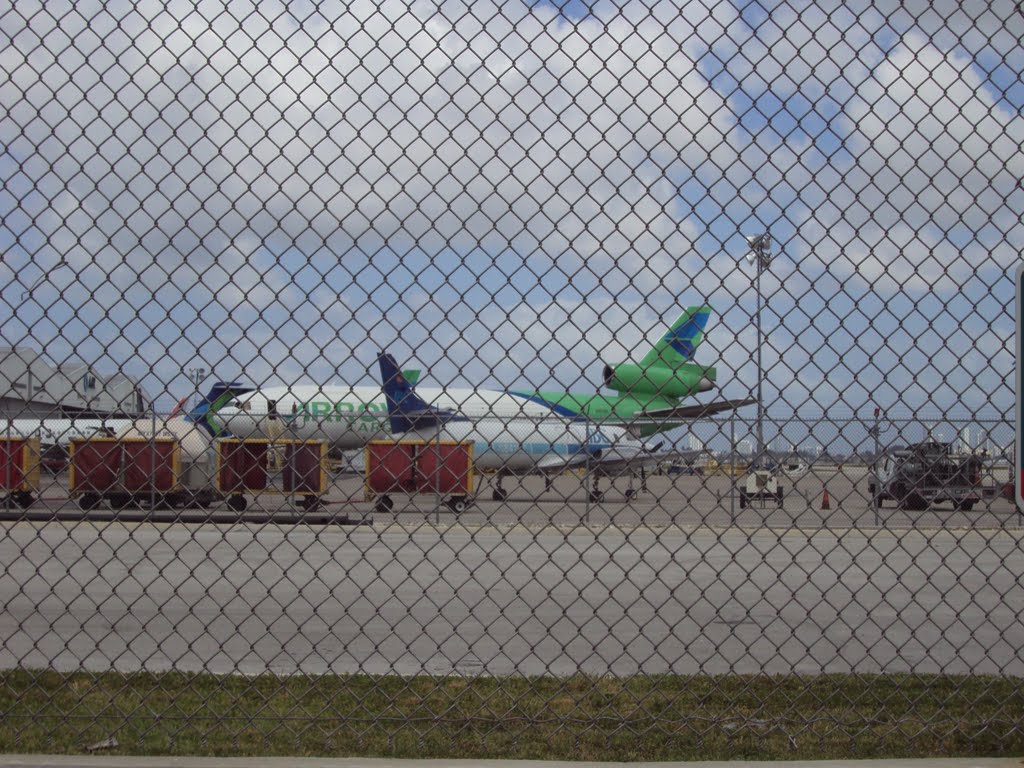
x=657, y=380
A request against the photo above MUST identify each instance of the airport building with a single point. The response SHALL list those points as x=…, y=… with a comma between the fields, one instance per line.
x=31, y=386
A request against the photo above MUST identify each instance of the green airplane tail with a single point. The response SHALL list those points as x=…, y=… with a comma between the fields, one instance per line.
x=681, y=340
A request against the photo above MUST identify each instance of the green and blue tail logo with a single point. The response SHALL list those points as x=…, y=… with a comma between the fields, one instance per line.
x=680, y=343
x=220, y=395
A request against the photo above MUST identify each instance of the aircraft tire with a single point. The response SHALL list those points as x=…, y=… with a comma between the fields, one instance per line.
x=237, y=503
x=458, y=504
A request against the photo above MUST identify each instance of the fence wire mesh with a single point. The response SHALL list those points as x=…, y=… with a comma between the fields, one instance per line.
x=641, y=364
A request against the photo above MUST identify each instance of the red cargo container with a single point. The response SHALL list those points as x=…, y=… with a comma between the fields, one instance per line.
x=126, y=471
x=19, y=469
x=419, y=466
x=249, y=467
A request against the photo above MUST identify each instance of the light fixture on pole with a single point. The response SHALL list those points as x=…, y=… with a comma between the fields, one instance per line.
x=760, y=253
x=196, y=375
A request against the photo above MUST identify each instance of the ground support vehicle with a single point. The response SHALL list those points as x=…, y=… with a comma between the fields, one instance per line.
x=763, y=487
x=442, y=467
x=131, y=472
x=918, y=476
x=19, y=471
x=296, y=468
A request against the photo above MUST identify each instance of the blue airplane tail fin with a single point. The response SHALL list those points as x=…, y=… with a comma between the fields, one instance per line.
x=406, y=409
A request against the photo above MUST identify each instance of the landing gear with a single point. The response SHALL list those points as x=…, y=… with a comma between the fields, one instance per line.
x=630, y=493
x=310, y=503
x=383, y=505
x=548, y=482
x=595, y=496
x=643, y=479
x=237, y=503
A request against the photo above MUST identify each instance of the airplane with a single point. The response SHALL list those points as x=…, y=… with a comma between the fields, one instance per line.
x=58, y=433
x=648, y=399
x=519, y=445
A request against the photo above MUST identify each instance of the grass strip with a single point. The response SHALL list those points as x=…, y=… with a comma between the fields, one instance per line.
x=660, y=717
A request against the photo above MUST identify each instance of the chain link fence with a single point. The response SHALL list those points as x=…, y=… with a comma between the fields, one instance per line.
x=608, y=371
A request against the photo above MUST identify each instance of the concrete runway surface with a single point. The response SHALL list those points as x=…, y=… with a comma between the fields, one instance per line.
x=411, y=597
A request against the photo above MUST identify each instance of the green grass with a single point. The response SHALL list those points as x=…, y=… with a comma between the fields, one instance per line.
x=640, y=718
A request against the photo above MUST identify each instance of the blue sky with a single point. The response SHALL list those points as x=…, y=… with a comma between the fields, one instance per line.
x=509, y=199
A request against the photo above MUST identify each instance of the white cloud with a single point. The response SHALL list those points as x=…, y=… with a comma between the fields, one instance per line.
x=173, y=154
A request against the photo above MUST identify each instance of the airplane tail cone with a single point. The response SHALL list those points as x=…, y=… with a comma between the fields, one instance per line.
x=826, y=503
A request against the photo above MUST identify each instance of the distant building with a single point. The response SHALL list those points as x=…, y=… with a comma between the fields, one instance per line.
x=31, y=386
x=694, y=443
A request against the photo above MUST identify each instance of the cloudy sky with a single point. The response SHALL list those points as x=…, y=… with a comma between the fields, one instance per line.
x=508, y=193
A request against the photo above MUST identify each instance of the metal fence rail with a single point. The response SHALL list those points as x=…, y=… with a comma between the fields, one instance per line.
x=550, y=344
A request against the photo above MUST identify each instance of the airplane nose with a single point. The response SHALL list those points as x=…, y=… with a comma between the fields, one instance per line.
x=705, y=384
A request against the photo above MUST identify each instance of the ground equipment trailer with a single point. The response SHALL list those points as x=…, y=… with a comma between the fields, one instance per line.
x=19, y=470
x=928, y=473
x=442, y=467
x=761, y=486
x=280, y=466
x=131, y=472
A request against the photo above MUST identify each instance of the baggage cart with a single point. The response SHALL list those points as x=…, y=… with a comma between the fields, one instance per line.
x=282, y=466
x=19, y=470
x=442, y=467
x=127, y=472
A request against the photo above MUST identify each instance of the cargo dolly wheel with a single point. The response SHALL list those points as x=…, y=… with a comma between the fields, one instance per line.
x=457, y=504
x=383, y=504
x=89, y=501
x=22, y=499
x=237, y=503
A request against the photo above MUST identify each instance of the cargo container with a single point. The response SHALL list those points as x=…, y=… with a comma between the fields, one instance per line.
x=440, y=467
x=19, y=470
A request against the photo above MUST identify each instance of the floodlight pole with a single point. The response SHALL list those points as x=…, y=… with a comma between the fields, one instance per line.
x=761, y=254
x=760, y=368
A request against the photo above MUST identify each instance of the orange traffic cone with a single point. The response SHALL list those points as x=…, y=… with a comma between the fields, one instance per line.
x=825, y=502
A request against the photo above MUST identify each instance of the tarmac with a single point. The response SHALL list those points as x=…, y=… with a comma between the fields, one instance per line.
x=414, y=597
x=679, y=500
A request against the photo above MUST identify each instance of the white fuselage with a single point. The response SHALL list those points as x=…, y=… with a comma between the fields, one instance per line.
x=509, y=432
